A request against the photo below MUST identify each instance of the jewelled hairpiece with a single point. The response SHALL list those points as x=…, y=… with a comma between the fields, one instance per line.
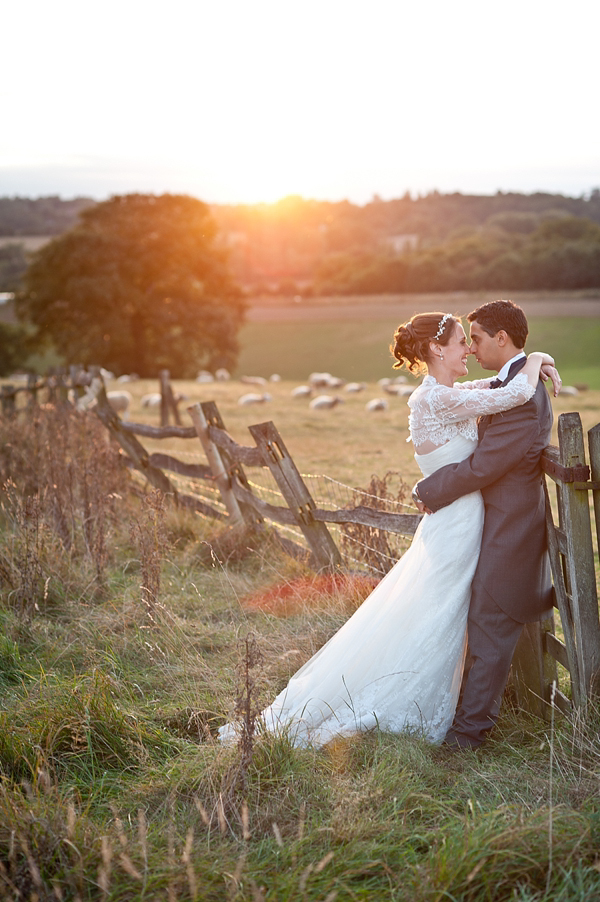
x=441, y=326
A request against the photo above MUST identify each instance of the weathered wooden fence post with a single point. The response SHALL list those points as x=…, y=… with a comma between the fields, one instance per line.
x=594, y=445
x=296, y=494
x=130, y=444
x=62, y=387
x=32, y=389
x=533, y=671
x=574, y=520
x=215, y=458
x=571, y=553
x=167, y=400
x=164, y=397
x=566, y=654
x=8, y=400
x=75, y=376
x=51, y=385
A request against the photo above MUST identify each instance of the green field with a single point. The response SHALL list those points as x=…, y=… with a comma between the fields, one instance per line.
x=359, y=350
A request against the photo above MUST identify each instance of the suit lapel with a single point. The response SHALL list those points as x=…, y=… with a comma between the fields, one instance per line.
x=515, y=367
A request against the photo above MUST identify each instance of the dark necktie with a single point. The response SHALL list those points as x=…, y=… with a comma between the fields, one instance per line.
x=495, y=383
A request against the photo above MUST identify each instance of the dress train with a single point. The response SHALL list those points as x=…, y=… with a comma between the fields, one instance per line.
x=397, y=663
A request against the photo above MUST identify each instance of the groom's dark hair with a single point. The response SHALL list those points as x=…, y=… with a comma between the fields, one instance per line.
x=497, y=315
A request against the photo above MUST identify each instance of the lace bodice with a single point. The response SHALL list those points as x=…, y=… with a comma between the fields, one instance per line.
x=438, y=412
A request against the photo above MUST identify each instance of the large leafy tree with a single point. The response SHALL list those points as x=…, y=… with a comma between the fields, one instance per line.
x=140, y=284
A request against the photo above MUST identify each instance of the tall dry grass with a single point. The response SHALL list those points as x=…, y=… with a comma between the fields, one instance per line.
x=112, y=784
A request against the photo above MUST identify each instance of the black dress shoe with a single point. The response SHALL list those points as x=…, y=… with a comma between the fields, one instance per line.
x=458, y=742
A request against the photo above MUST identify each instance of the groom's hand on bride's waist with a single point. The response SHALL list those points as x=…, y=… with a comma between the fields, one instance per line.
x=419, y=504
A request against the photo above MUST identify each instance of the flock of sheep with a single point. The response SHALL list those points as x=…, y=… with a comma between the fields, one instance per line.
x=315, y=390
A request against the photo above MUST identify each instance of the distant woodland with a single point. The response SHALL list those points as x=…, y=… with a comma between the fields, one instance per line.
x=436, y=242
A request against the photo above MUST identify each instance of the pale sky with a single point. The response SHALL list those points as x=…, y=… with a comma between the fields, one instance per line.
x=240, y=101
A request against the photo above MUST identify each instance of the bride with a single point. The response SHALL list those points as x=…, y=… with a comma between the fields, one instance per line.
x=397, y=663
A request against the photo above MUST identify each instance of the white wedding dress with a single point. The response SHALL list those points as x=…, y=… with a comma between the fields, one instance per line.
x=397, y=663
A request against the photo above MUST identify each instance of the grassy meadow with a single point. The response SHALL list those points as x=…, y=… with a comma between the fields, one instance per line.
x=359, y=350
x=129, y=631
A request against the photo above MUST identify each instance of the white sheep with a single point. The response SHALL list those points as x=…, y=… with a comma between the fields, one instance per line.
x=301, y=391
x=376, y=404
x=222, y=375
x=355, y=387
x=253, y=380
x=128, y=377
x=252, y=398
x=274, y=377
x=325, y=402
x=120, y=401
x=205, y=376
x=106, y=374
x=569, y=390
x=400, y=391
x=320, y=380
x=152, y=399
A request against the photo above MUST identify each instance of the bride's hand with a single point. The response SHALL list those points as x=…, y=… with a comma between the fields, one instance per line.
x=548, y=371
x=421, y=507
x=545, y=359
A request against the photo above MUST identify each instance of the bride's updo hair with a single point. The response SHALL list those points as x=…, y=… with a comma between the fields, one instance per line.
x=411, y=339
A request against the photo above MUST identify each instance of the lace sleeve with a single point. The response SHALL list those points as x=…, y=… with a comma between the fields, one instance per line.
x=450, y=405
x=476, y=383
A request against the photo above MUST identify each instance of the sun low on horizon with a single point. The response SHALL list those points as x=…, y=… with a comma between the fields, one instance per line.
x=240, y=103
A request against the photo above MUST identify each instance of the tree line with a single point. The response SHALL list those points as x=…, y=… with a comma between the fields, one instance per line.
x=300, y=245
x=273, y=246
x=143, y=282
x=559, y=252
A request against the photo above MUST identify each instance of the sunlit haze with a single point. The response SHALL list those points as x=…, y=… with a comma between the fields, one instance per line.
x=244, y=102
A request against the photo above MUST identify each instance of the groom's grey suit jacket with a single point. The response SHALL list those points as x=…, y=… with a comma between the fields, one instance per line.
x=513, y=565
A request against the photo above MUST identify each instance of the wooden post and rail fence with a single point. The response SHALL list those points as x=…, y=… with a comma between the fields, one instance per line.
x=570, y=533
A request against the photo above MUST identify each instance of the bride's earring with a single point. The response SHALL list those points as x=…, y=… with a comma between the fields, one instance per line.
x=441, y=356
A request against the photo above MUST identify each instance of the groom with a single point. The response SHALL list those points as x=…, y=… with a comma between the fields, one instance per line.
x=512, y=584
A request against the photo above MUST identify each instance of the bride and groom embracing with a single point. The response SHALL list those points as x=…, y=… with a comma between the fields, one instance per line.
x=477, y=566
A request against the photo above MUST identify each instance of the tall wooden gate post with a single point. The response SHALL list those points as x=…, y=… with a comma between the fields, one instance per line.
x=296, y=494
x=580, y=577
x=570, y=549
x=571, y=554
x=594, y=445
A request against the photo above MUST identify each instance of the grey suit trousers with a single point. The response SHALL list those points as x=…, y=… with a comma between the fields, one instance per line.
x=493, y=637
